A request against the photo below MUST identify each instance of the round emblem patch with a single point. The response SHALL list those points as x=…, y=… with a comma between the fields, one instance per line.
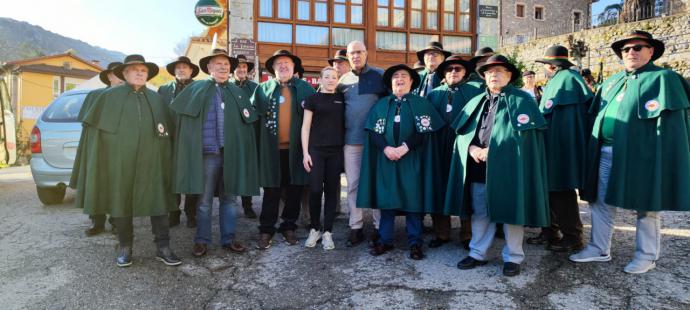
x=449, y=107
x=161, y=129
x=651, y=105
x=222, y=105
x=523, y=119
x=281, y=99
x=548, y=104
x=425, y=122
x=245, y=112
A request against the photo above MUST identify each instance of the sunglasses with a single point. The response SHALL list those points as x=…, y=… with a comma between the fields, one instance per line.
x=637, y=48
x=455, y=69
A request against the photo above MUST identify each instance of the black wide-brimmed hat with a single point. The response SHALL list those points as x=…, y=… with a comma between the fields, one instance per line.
x=203, y=62
x=556, y=55
x=388, y=75
x=103, y=76
x=499, y=60
x=135, y=59
x=241, y=59
x=182, y=60
x=481, y=53
x=454, y=59
x=300, y=71
x=432, y=46
x=340, y=55
x=659, y=46
x=282, y=53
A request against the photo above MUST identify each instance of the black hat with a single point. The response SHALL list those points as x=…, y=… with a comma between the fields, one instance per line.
x=481, y=53
x=300, y=71
x=418, y=66
x=241, y=59
x=432, y=46
x=182, y=60
x=528, y=72
x=556, y=55
x=203, y=62
x=585, y=71
x=640, y=35
x=388, y=75
x=282, y=53
x=340, y=55
x=133, y=60
x=103, y=76
x=455, y=59
x=499, y=60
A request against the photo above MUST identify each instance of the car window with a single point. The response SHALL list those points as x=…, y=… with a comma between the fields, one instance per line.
x=64, y=109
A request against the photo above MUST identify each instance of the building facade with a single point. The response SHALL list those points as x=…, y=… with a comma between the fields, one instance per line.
x=523, y=20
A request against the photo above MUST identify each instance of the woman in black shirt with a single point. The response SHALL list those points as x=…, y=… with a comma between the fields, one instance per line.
x=323, y=134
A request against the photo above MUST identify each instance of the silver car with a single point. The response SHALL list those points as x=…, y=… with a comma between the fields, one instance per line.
x=54, y=142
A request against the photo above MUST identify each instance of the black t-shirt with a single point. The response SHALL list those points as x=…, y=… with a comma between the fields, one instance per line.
x=328, y=120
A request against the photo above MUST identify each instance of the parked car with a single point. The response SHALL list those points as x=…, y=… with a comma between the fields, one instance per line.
x=54, y=141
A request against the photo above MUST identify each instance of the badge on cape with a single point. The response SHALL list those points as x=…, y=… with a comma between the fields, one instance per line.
x=245, y=112
x=222, y=105
x=302, y=104
x=425, y=121
x=396, y=119
x=651, y=105
x=620, y=96
x=380, y=126
x=548, y=104
x=161, y=129
x=523, y=119
x=449, y=107
x=281, y=99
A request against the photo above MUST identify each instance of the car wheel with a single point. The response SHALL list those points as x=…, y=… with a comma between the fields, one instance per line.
x=51, y=195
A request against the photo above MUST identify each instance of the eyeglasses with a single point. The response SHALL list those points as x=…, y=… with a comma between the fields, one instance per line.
x=455, y=69
x=637, y=48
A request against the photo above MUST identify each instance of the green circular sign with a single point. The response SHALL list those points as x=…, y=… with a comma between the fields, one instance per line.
x=209, y=12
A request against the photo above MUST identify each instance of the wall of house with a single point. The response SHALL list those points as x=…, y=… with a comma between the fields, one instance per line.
x=557, y=19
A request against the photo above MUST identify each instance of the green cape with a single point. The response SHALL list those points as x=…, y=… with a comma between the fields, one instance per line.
x=248, y=86
x=651, y=147
x=406, y=184
x=435, y=81
x=240, y=167
x=442, y=140
x=266, y=101
x=564, y=104
x=128, y=163
x=516, y=187
x=79, y=167
x=475, y=80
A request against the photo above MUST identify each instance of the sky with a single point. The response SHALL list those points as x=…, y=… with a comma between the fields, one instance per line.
x=149, y=27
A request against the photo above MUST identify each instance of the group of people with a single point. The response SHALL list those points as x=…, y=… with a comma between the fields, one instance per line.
x=454, y=137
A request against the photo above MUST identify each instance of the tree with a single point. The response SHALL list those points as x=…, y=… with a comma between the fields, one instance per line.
x=610, y=14
x=513, y=59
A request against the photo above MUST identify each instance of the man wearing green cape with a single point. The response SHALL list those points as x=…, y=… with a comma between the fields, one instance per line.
x=128, y=165
x=480, y=57
x=430, y=57
x=448, y=100
x=499, y=169
x=110, y=80
x=396, y=173
x=638, y=156
x=215, y=149
x=564, y=104
x=279, y=103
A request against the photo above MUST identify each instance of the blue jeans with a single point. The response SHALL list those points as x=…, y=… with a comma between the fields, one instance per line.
x=413, y=226
x=213, y=183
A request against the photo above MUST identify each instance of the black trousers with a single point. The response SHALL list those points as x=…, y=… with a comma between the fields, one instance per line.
x=565, y=215
x=190, y=201
x=324, y=179
x=271, y=201
x=159, y=227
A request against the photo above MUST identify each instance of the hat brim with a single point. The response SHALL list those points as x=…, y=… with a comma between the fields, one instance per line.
x=388, y=75
x=466, y=64
x=103, y=76
x=420, y=54
x=332, y=60
x=659, y=47
x=516, y=74
x=203, y=62
x=270, y=60
x=153, y=69
x=171, y=67
x=250, y=65
x=556, y=62
x=474, y=60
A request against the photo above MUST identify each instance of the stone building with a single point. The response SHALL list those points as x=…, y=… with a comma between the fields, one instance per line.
x=523, y=20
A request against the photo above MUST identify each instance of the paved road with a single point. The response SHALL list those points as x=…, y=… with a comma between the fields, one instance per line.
x=47, y=263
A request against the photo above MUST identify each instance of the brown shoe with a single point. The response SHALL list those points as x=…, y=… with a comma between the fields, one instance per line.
x=379, y=249
x=235, y=247
x=290, y=237
x=199, y=249
x=416, y=252
x=356, y=237
x=264, y=242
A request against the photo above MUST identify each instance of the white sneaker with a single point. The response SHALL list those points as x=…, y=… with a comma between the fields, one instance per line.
x=589, y=254
x=328, y=241
x=314, y=236
x=639, y=266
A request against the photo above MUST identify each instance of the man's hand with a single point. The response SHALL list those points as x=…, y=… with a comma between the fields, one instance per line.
x=478, y=154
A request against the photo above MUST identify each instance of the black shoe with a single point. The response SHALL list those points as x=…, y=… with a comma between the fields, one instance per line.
x=511, y=269
x=469, y=263
x=566, y=245
x=166, y=256
x=541, y=239
x=94, y=230
x=124, y=257
x=380, y=249
x=416, y=252
x=436, y=242
x=499, y=231
x=374, y=238
x=174, y=218
x=356, y=237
